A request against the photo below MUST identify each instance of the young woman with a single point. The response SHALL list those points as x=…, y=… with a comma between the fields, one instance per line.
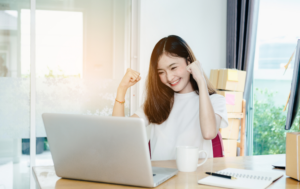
x=181, y=104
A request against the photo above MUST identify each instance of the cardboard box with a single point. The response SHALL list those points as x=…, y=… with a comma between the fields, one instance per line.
x=230, y=148
x=293, y=155
x=231, y=80
x=214, y=77
x=232, y=131
x=234, y=101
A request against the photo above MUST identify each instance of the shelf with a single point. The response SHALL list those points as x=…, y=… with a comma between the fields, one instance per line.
x=235, y=115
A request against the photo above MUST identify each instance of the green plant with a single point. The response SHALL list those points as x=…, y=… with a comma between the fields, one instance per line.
x=268, y=124
x=46, y=144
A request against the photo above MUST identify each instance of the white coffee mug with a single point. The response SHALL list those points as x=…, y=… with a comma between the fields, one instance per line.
x=187, y=158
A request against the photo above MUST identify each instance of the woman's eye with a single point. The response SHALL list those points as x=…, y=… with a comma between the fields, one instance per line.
x=159, y=73
x=173, y=68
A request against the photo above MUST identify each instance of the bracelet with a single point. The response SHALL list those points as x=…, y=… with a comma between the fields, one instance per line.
x=120, y=102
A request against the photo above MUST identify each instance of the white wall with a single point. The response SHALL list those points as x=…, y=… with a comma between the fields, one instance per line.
x=201, y=23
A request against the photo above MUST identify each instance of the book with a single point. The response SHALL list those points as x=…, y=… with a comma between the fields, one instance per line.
x=246, y=179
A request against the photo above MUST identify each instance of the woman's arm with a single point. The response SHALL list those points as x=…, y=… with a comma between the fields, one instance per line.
x=130, y=78
x=209, y=121
x=118, y=109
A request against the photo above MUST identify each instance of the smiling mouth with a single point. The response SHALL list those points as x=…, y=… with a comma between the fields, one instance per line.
x=175, y=83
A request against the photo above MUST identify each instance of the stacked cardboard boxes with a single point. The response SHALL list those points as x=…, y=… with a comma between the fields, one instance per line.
x=230, y=83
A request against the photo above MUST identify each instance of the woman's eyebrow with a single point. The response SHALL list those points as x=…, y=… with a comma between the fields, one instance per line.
x=168, y=66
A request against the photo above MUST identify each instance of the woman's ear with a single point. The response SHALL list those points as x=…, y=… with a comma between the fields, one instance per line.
x=188, y=60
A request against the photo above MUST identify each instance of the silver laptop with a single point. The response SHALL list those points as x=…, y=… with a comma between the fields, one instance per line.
x=102, y=149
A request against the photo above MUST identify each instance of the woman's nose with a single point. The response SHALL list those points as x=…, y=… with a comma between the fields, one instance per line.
x=169, y=77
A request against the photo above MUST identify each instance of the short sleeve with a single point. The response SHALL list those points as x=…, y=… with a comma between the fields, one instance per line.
x=219, y=105
x=140, y=112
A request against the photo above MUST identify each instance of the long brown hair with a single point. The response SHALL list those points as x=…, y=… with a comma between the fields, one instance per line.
x=160, y=98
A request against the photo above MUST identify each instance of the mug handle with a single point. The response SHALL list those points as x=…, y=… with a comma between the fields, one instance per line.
x=204, y=159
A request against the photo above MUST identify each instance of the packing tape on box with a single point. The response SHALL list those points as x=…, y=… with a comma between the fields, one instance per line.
x=230, y=132
x=232, y=75
x=235, y=86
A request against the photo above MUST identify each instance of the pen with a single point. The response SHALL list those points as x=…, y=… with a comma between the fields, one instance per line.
x=219, y=175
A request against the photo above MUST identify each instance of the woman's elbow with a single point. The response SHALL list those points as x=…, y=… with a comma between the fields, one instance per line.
x=209, y=136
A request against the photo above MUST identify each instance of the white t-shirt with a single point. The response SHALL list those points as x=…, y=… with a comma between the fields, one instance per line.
x=182, y=128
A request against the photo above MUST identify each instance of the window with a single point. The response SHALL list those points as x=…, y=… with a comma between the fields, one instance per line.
x=276, y=41
x=81, y=54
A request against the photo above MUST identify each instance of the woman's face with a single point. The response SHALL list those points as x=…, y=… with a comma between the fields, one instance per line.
x=172, y=72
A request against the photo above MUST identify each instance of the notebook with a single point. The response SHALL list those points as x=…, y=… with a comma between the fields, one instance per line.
x=245, y=179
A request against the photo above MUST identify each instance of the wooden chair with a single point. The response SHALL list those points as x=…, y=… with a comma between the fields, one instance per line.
x=217, y=145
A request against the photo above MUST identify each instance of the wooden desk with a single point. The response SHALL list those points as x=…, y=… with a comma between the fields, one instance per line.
x=47, y=179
